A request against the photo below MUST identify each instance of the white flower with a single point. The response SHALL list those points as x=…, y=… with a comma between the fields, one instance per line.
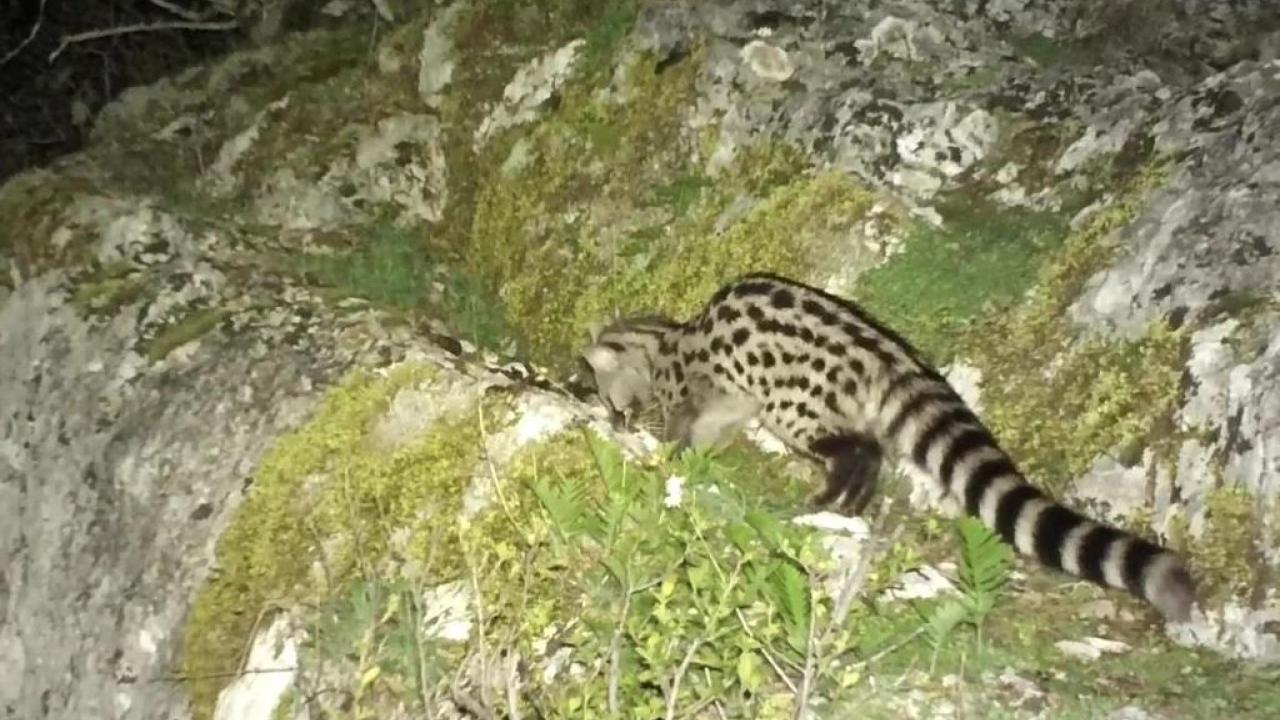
x=675, y=491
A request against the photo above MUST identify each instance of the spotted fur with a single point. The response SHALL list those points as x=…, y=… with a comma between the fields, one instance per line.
x=837, y=386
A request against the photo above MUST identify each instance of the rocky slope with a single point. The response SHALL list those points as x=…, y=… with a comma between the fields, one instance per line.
x=260, y=457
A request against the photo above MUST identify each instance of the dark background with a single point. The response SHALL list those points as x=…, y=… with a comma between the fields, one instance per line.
x=37, y=97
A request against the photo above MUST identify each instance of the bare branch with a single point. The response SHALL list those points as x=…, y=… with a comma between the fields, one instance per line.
x=185, y=14
x=68, y=40
x=35, y=28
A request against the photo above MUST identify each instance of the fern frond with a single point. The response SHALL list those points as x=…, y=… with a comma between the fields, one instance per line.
x=985, y=564
x=790, y=589
x=566, y=505
x=944, y=619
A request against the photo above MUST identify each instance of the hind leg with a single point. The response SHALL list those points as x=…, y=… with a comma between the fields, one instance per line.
x=853, y=469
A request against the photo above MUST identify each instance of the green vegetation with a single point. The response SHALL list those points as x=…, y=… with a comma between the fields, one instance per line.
x=183, y=331
x=394, y=270
x=979, y=264
x=1228, y=555
x=327, y=504
x=1057, y=402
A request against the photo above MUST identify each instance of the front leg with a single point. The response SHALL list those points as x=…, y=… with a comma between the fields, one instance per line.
x=707, y=418
x=853, y=470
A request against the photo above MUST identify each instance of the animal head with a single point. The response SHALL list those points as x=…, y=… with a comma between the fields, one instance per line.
x=620, y=358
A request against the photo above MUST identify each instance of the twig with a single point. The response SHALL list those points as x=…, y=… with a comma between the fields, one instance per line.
x=810, y=658
x=35, y=28
x=889, y=649
x=615, y=650
x=850, y=589
x=493, y=471
x=768, y=656
x=216, y=675
x=513, y=686
x=181, y=12
x=675, y=681
x=68, y=40
x=469, y=705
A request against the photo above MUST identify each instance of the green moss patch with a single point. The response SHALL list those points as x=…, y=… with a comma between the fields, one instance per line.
x=1057, y=403
x=980, y=263
x=191, y=327
x=608, y=215
x=326, y=502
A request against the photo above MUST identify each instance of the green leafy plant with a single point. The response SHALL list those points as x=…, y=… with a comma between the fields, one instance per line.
x=985, y=562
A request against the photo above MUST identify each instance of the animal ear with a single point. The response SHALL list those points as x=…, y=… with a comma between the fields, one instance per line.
x=594, y=330
x=601, y=359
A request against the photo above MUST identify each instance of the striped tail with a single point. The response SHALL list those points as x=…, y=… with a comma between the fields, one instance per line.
x=931, y=425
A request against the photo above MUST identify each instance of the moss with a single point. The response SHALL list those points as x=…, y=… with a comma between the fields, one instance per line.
x=1227, y=555
x=105, y=294
x=325, y=503
x=183, y=331
x=981, y=262
x=284, y=708
x=569, y=240
x=1058, y=403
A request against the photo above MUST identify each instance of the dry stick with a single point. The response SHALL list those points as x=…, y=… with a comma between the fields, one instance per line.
x=513, y=687
x=488, y=461
x=768, y=656
x=216, y=675
x=810, y=656
x=181, y=12
x=468, y=704
x=27, y=40
x=675, y=681
x=68, y=40
x=615, y=650
x=852, y=586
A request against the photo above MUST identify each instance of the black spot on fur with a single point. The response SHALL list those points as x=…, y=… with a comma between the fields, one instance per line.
x=782, y=299
x=747, y=288
x=832, y=402
x=727, y=313
x=767, y=359
x=752, y=359
x=740, y=336
x=755, y=313
x=819, y=364
x=704, y=355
